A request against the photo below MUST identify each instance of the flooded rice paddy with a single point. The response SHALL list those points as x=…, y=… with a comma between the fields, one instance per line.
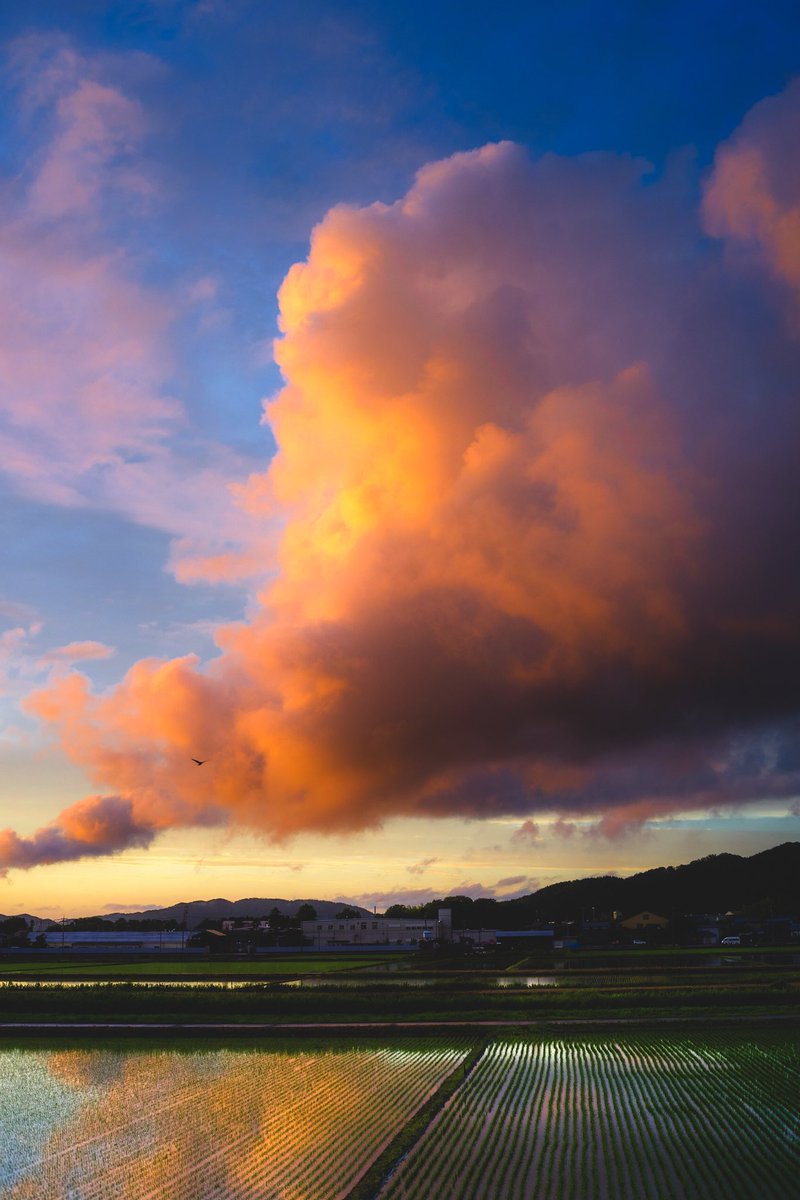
x=590, y=1117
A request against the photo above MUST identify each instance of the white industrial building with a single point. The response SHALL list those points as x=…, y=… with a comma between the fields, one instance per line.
x=379, y=931
x=392, y=931
x=113, y=940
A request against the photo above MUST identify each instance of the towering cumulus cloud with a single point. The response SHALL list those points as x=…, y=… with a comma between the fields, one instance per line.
x=538, y=500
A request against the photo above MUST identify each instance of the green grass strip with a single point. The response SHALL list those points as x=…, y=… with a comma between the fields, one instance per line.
x=374, y=1179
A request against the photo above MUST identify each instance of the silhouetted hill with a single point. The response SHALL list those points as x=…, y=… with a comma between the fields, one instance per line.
x=767, y=883
x=36, y=923
x=219, y=909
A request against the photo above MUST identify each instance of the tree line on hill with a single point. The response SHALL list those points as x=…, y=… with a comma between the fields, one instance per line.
x=276, y=919
x=764, y=885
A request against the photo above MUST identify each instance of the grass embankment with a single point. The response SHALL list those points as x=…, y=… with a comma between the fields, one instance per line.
x=668, y=953
x=67, y=968
x=263, y=1004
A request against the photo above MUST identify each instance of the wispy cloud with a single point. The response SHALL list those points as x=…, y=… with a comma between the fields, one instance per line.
x=397, y=895
x=505, y=889
x=114, y=907
x=17, y=667
x=75, y=652
x=88, y=415
x=422, y=866
x=511, y=881
x=12, y=610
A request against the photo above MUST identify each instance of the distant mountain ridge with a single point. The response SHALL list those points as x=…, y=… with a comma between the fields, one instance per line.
x=215, y=910
x=718, y=883
x=221, y=909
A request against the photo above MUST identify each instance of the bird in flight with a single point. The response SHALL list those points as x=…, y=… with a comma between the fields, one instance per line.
x=199, y=761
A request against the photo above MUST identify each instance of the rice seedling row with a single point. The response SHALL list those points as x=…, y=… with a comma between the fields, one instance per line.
x=652, y=1117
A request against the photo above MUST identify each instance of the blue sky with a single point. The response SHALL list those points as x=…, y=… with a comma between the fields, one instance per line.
x=164, y=165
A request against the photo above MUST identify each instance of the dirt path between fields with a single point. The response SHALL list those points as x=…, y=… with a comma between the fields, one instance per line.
x=336, y=1028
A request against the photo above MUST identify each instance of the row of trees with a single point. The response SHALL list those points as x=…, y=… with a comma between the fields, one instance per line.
x=280, y=920
x=120, y=925
x=482, y=913
x=15, y=933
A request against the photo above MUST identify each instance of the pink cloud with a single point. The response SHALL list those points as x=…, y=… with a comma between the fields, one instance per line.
x=114, y=907
x=396, y=895
x=97, y=128
x=88, y=415
x=515, y=886
x=78, y=652
x=529, y=833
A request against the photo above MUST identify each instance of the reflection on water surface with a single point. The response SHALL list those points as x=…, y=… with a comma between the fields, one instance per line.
x=202, y=1125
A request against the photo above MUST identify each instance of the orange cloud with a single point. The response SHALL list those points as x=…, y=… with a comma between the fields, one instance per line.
x=514, y=572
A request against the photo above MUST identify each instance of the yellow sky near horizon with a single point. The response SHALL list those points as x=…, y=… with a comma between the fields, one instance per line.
x=406, y=861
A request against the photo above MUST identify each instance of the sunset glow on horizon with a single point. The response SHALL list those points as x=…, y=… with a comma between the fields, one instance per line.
x=401, y=492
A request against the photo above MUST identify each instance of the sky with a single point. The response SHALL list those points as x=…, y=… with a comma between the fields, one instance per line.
x=398, y=414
